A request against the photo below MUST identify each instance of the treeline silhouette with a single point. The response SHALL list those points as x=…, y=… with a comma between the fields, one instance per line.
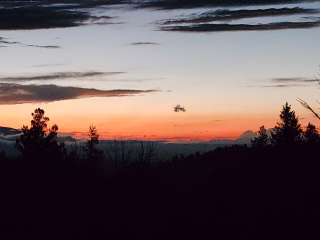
x=268, y=190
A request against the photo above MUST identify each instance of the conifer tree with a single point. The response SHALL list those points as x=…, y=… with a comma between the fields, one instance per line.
x=93, y=153
x=288, y=130
x=311, y=134
x=261, y=140
x=39, y=142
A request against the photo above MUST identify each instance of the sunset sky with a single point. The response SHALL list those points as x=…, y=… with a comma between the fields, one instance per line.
x=229, y=82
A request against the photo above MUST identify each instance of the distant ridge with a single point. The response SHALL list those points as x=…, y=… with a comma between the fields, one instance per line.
x=9, y=131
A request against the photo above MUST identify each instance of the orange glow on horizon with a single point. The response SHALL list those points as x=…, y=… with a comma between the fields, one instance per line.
x=193, y=130
x=166, y=128
x=138, y=123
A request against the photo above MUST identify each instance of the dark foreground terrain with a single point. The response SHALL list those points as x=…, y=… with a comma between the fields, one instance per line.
x=268, y=190
x=236, y=192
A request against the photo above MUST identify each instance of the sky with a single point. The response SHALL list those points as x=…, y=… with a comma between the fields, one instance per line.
x=229, y=82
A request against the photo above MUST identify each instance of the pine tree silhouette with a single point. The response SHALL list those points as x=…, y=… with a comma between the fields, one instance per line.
x=288, y=130
x=39, y=142
x=93, y=153
x=311, y=135
x=261, y=140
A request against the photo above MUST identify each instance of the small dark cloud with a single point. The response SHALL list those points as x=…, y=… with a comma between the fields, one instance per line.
x=217, y=120
x=143, y=43
x=18, y=94
x=216, y=27
x=43, y=46
x=7, y=42
x=100, y=20
x=57, y=76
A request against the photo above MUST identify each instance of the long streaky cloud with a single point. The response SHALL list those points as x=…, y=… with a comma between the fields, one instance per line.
x=18, y=94
x=284, y=85
x=144, y=43
x=288, y=82
x=57, y=76
x=295, y=80
x=225, y=27
x=7, y=42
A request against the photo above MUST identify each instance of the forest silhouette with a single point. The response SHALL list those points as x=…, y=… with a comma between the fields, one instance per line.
x=268, y=189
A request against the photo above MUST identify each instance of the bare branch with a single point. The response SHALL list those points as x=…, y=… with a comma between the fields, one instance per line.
x=307, y=106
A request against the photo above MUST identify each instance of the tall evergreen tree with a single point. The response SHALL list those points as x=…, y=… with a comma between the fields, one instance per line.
x=261, y=140
x=311, y=134
x=288, y=130
x=39, y=142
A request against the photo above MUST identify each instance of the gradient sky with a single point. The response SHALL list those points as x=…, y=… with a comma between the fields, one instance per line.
x=225, y=80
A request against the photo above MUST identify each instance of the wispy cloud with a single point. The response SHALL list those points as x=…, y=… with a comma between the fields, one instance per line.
x=7, y=42
x=143, y=43
x=17, y=94
x=49, y=65
x=288, y=82
x=283, y=85
x=42, y=46
x=57, y=76
x=100, y=20
x=294, y=80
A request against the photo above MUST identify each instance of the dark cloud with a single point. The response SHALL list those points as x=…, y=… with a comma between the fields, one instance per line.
x=17, y=94
x=35, y=15
x=225, y=14
x=57, y=76
x=175, y=4
x=209, y=21
x=216, y=27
